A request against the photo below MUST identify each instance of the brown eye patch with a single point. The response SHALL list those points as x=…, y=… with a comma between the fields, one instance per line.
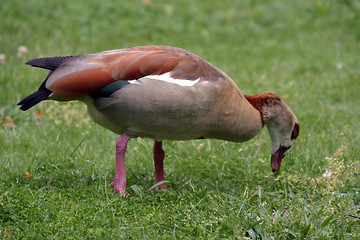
x=295, y=132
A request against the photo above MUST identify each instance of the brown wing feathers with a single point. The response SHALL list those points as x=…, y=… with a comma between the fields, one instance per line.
x=139, y=62
x=86, y=74
x=137, y=65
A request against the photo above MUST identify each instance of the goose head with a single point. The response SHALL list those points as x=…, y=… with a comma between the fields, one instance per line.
x=281, y=122
x=283, y=129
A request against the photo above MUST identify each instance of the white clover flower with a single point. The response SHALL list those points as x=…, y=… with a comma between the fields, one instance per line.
x=2, y=58
x=327, y=174
x=22, y=51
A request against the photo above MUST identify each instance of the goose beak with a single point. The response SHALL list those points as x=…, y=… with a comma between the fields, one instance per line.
x=277, y=157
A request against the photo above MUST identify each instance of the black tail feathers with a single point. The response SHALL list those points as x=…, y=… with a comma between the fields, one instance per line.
x=41, y=94
x=50, y=63
x=33, y=99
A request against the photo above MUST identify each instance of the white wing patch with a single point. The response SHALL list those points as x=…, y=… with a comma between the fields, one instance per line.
x=133, y=82
x=167, y=78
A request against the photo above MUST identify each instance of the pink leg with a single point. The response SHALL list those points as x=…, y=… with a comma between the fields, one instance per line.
x=159, y=155
x=119, y=183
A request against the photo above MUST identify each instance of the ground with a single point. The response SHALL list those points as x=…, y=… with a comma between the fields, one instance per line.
x=56, y=163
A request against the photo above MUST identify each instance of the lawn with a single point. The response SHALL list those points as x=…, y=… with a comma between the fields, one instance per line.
x=56, y=163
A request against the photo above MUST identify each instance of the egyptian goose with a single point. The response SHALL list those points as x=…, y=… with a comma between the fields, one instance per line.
x=163, y=93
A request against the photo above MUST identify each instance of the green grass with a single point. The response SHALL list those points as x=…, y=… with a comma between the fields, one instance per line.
x=306, y=51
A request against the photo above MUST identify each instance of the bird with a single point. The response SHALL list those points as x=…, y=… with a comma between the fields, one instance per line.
x=163, y=93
